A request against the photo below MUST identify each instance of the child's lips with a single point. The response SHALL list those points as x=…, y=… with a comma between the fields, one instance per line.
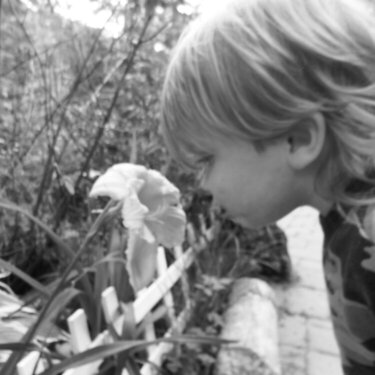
x=234, y=218
x=239, y=220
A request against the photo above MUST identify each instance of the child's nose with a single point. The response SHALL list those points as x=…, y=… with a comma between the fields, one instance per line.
x=204, y=184
x=204, y=187
x=211, y=200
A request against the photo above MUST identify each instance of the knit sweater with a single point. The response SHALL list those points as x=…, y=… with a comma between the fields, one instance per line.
x=349, y=269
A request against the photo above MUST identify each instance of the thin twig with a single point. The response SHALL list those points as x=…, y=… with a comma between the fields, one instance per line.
x=108, y=115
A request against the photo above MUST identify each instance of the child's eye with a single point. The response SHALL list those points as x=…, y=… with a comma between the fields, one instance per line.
x=204, y=164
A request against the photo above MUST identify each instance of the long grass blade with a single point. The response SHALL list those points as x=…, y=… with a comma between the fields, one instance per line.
x=59, y=304
x=54, y=237
x=16, y=346
x=131, y=366
x=95, y=354
x=127, y=347
x=10, y=365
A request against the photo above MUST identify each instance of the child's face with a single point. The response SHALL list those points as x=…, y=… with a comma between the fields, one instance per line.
x=254, y=188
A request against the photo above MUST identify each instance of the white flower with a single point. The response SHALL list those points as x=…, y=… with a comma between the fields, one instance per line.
x=151, y=210
x=369, y=223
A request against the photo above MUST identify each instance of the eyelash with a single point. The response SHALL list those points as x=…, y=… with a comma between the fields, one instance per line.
x=204, y=165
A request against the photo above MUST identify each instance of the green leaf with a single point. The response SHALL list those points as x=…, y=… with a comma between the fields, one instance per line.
x=131, y=366
x=10, y=365
x=128, y=347
x=16, y=346
x=95, y=354
x=58, y=304
x=100, y=283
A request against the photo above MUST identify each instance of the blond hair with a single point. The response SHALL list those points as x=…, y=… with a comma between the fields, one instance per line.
x=256, y=68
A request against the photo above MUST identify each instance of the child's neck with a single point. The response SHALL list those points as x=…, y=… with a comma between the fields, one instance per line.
x=323, y=205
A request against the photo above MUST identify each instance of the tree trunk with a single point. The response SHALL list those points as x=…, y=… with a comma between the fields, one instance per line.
x=250, y=320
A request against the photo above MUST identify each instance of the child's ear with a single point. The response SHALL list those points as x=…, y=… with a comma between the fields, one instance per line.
x=306, y=142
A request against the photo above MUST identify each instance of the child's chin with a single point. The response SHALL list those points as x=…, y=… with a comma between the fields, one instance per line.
x=243, y=222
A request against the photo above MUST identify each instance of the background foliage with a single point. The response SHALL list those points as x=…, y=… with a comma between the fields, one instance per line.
x=75, y=100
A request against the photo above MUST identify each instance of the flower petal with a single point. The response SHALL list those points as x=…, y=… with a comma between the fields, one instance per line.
x=369, y=223
x=168, y=225
x=158, y=191
x=133, y=211
x=117, y=180
x=141, y=261
x=146, y=234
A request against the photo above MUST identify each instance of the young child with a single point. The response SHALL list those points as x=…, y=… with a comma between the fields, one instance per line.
x=273, y=102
